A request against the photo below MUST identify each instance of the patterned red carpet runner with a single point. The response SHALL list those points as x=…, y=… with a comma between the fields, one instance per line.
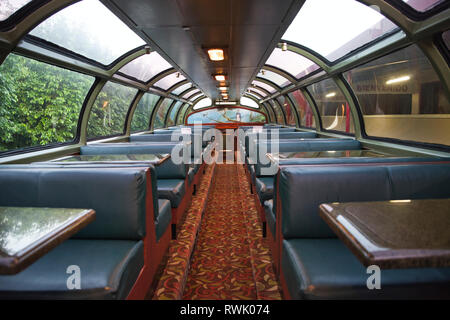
x=231, y=259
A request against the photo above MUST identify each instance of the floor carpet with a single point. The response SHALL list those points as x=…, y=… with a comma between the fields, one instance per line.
x=231, y=260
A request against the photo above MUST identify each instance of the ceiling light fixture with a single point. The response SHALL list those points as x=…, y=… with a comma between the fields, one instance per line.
x=220, y=77
x=216, y=54
x=284, y=46
x=147, y=49
x=223, y=88
x=330, y=95
x=399, y=79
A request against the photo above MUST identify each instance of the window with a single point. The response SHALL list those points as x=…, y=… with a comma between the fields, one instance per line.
x=279, y=80
x=253, y=94
x=332, y=106
x=145, y=67
x=9, y=7
x=303, y=109
x=402, y=97
x=335, y=28
x=288, y=110
x=173, y=113
x=292, y=63
x=421, y=5
x=446, y=38
x=182, y=88
x=264, y=85
x=226, y=115
x=143, y=112
x=258, y=91
x=249, y=102
x=40, y=104
x=180, y=118
x=195, y=96
x=205, y=102
x=89, y=29
x=170, y=80
x=278, y=112
x=161, y=113
x=109, y=110
x=190, y=93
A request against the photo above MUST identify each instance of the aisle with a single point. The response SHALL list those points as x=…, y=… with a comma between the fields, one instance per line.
x=231, y=259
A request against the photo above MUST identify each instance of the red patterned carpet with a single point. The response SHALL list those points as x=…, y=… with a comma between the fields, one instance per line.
x=231, y=259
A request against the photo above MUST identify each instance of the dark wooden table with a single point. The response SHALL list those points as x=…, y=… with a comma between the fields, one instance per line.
x=393, y=234
x=154, y=159
x=26, y=234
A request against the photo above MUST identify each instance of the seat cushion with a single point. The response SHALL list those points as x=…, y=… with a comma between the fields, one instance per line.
x=264, y=187
x=164, y=218
x=327, y=269
x=108, y=269
x=270, y=216
x=171, y=189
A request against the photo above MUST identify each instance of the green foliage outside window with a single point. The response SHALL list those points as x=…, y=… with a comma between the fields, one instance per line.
x=109, y=110
x=39, y=103
x=141, y=116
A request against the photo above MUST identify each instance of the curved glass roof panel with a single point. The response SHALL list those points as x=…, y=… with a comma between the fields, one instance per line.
x=190, y=93
x=181, y=88
x=292, y=63
x=248, y=102
x=253, y=95
x=9, y=7
x=161, y=113
x=422, y=5
x=288, y=110
x=195, y=96
x=279, y=80
x=264, y=86
x=170, y=80
x=258, y=91
x=349, y=25
x=145, y=67
x=205, y=102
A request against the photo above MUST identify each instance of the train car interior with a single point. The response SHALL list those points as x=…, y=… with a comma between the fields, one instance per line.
x=224, y=149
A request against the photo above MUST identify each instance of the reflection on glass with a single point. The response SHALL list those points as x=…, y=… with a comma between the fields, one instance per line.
x=278, y=112
x=24, y=228
x=249, y=103
x=145, y=67
x=169, y=81
x=39, y=103
x=203, y=103
x=288, y=110
x=332, y=106
x=226, y=115
x=143, y=111
x=273, y=77
x=161, y=113
x=329, y=154
x=349, y=25
x=292, y=63
x=446, y=38
x=89, y=29
x=8, y=7
x=304, y=109
x=271, y=112
x=402, y=97
x=109, y=111
x=258, y=91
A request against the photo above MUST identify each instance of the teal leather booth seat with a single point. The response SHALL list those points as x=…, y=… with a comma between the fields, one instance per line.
x=109, y=251
x=194, y=138
x=317, y=265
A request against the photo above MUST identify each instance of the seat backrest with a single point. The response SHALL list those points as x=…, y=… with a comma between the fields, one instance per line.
x=302, y=189
x=165, y=138
x=282, y=135
x=167, y=170
x=117, y=196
